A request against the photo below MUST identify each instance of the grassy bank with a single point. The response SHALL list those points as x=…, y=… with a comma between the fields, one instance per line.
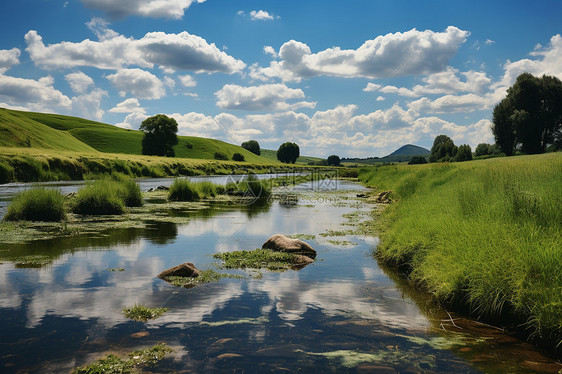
x=39, y=165
x=483, y=236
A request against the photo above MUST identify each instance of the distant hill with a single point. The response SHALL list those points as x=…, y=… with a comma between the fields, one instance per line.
x=402, y=154
x=58, y=132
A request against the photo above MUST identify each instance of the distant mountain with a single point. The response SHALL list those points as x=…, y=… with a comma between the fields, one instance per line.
x=409, y=150
x=402, y=154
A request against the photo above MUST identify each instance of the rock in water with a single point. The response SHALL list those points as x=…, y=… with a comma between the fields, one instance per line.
x=281, y=243
x=183, y=270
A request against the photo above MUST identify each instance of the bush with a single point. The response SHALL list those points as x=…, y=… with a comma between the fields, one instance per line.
x=238, y=157
x=252, y=146
x=183, y=190
x=417, y=160
x=333, y=160
x=220, y=156
x=37, y=204
x=464, y=153
x=483, y=149
x=6, y=173
x=100, y=197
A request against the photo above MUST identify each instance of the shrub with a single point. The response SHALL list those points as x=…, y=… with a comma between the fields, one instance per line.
x=220, y=156
x=238, y=157
x=183, y=190
x=37, y=204
x=417, y=160
x=100, y=197
x=6, y=173
x=333, y=160
x=252, y=146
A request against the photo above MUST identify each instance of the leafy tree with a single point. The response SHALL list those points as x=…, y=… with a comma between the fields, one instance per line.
x=333, y=160
x=159, y=135
x=443, y=149
x=483, y=149
x=238, y=157
x=417, y=160
x=530, y=116
x=220, y=156
x=252, y=146
x=464, y=153
x=288, y=152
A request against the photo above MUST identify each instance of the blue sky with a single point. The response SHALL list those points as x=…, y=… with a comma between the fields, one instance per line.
x=355, y=78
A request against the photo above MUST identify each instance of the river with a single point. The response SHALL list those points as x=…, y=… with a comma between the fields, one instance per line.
x=342, y=313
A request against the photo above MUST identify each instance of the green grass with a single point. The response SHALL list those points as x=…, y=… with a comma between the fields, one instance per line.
x=183, y=190
x=37, y=204
x=100, y=198
x=142, y=313
x=487, y=234
x=206, y=276
x=111, y=364
x=257, y=259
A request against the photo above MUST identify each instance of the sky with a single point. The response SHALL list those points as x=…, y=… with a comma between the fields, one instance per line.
x=355, y=78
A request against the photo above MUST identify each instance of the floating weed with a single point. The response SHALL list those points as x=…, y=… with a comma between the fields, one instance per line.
x=257, y=259
x=142, y=313
x=206, y=276
x=241, y=321
x=348, y=358
x=116, y=269
x=111, y=364
x=302, y=236
x=336, y=233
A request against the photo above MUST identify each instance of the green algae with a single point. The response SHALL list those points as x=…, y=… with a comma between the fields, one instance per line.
x=142, y=314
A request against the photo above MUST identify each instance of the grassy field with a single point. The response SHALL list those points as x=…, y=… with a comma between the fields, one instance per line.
x=486, y=235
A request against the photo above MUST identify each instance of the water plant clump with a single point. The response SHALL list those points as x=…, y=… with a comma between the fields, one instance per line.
x=206, y=276
x=115, y=365
x=37, y=204
x=183, y=190
x=142, y=313
x=99, y=198
x=257, y=259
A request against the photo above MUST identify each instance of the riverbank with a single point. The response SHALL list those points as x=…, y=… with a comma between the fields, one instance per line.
x=43, y=165
x=484, y=237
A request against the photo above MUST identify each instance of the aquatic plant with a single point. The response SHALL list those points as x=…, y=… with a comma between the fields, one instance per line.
x=37, y=204
x=206, y=276
x=142, y=313
x=257, y=259
x=183, y=190
x=6, y=173
x=99, y=198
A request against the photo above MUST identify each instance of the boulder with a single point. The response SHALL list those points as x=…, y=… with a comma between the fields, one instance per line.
x=281, y=243
x=183, y=270
x=301, y=261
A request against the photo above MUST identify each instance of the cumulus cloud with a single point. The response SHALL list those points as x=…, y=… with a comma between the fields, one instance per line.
x=88, y=105
x=451, y=104
x=132, y=120
x=260, y=15
x=187, y=81
x=9, y=58
x=79, y=82
x=265, y=97
x=181, y=51
x=418, y=52
x=172, y=9
x=128, y=106
x=269, y=50
x=137, y=82
x=38, y=95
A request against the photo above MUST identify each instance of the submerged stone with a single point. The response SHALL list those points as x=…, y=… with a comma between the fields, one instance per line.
x=186, y=269
x=282, y=243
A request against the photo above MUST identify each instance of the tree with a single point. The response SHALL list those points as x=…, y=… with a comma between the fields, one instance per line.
x=159, y=135
x=443, y=149
x=333, y=160
x=483, y=149
x=238, y=157
x=530, y=116
x=288, y=152
x=464, y=153
x=252, y=146
x=417, y=160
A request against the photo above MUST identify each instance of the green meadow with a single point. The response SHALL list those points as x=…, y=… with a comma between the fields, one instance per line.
x=482, y=236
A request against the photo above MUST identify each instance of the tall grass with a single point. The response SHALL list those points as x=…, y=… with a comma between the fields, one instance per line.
x=37, y=204
x=108, y=196
x=183, y=190
x=487, y=234
x=252, y=186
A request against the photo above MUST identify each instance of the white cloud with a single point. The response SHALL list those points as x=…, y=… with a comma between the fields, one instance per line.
x=489, y=42
x=181, y=51
x=187, y=81
x=89, y=105
x=137, y=82
x=419, y=52
x=100, y=28
x=8, y=58
x=269, y=50
x=128, y=106
x=381, y=98
x=79, y=82
x=372, y=87
x=451, y=104
x=38, y=95
x=260, y=15
x=132, y=120
x=173, y=9
x=265, y=97
x=392, y=118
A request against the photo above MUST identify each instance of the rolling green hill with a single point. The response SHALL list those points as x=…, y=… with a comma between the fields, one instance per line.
x=53, y=131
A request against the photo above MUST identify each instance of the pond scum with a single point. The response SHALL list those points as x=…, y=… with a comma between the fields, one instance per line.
x=484, y=237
